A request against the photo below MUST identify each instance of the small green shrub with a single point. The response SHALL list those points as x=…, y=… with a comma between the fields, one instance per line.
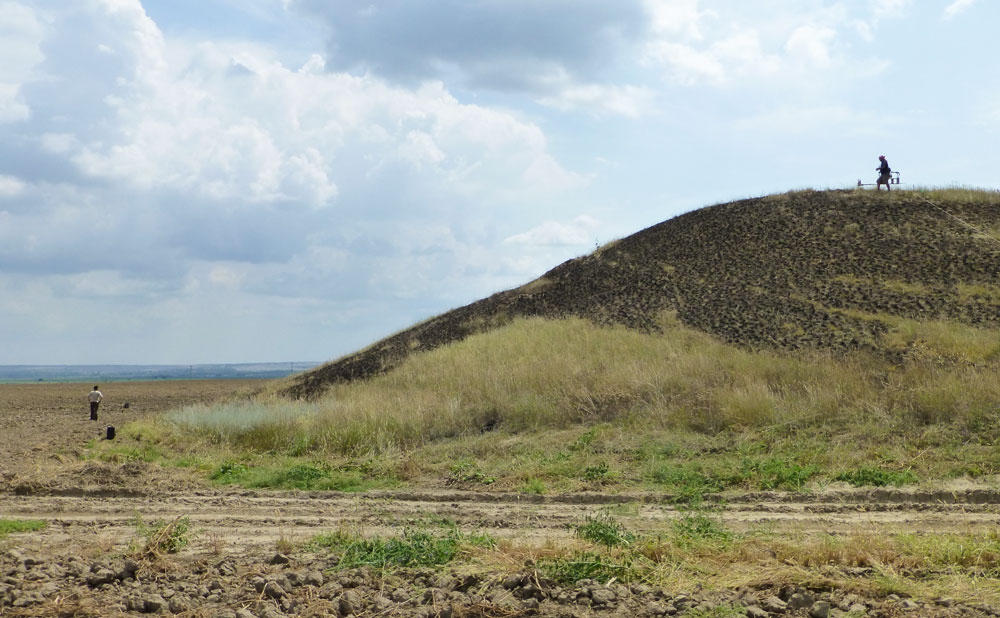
x=469, y=472
x=877, y=477
x=533, y=486
x=228, y=472
x=162, y=537
x=597, y=472
x=605, y=530
x=585, y=440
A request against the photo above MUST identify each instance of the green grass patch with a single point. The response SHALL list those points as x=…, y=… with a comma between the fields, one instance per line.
x=126, y=453
x=687, y=482
x=294, y=475
x=877, y=477
x=773, y=473
x=11, y=526
x=415, y=548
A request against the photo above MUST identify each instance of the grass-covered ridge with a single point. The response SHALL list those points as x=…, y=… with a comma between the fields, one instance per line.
x=563, y=404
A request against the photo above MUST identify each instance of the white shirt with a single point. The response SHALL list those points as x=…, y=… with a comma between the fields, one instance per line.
x=95, y=396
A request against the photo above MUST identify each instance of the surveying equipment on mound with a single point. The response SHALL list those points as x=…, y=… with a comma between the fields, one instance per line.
x=893, y=180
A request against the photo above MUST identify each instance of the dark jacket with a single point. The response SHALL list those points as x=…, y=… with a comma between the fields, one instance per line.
x=884, y=168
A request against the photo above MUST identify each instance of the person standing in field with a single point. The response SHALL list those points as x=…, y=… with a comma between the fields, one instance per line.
x=95, y=397
x=883, y=174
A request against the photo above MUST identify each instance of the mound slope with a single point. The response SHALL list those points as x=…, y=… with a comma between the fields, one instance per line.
x=800, y=270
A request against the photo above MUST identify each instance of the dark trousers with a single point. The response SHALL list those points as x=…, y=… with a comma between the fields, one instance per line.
x=93, y=410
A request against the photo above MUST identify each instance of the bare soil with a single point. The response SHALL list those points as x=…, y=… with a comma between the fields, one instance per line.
x=44, y=427
x=80, y=564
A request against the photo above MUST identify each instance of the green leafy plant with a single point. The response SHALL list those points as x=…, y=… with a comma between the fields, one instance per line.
x=597, y=472
x=603, y=529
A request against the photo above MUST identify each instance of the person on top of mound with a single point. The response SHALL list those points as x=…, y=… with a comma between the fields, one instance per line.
x=883, y=174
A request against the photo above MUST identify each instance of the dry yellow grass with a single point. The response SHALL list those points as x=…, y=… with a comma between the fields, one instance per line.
x=537, y=375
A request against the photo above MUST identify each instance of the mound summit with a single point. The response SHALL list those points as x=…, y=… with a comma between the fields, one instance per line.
x=809, y=269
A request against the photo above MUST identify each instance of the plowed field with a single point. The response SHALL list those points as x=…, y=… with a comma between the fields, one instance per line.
x=78, y=565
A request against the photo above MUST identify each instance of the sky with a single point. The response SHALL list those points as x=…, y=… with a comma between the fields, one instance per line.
x=224, y=181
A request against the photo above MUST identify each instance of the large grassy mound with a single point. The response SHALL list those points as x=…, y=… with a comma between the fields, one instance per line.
x=836, y=270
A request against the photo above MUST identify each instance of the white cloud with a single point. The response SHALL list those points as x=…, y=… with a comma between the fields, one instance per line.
x=677, y=18
x=734, y=57
x=811, y=45
x=21, y=32
x=10, y=186
x=12, y=107
x=628, y=101
x=210, y=167
x=578, y=232
x=890, y=8
x=228, y=122
x=956, y=7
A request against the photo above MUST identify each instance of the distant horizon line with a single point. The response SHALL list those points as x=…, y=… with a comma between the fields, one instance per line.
x=158, y=364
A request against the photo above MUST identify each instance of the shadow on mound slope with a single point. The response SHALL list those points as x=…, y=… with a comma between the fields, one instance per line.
x=799, y=270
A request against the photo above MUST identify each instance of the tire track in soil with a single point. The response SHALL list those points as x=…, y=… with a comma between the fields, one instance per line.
x=258, y=520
